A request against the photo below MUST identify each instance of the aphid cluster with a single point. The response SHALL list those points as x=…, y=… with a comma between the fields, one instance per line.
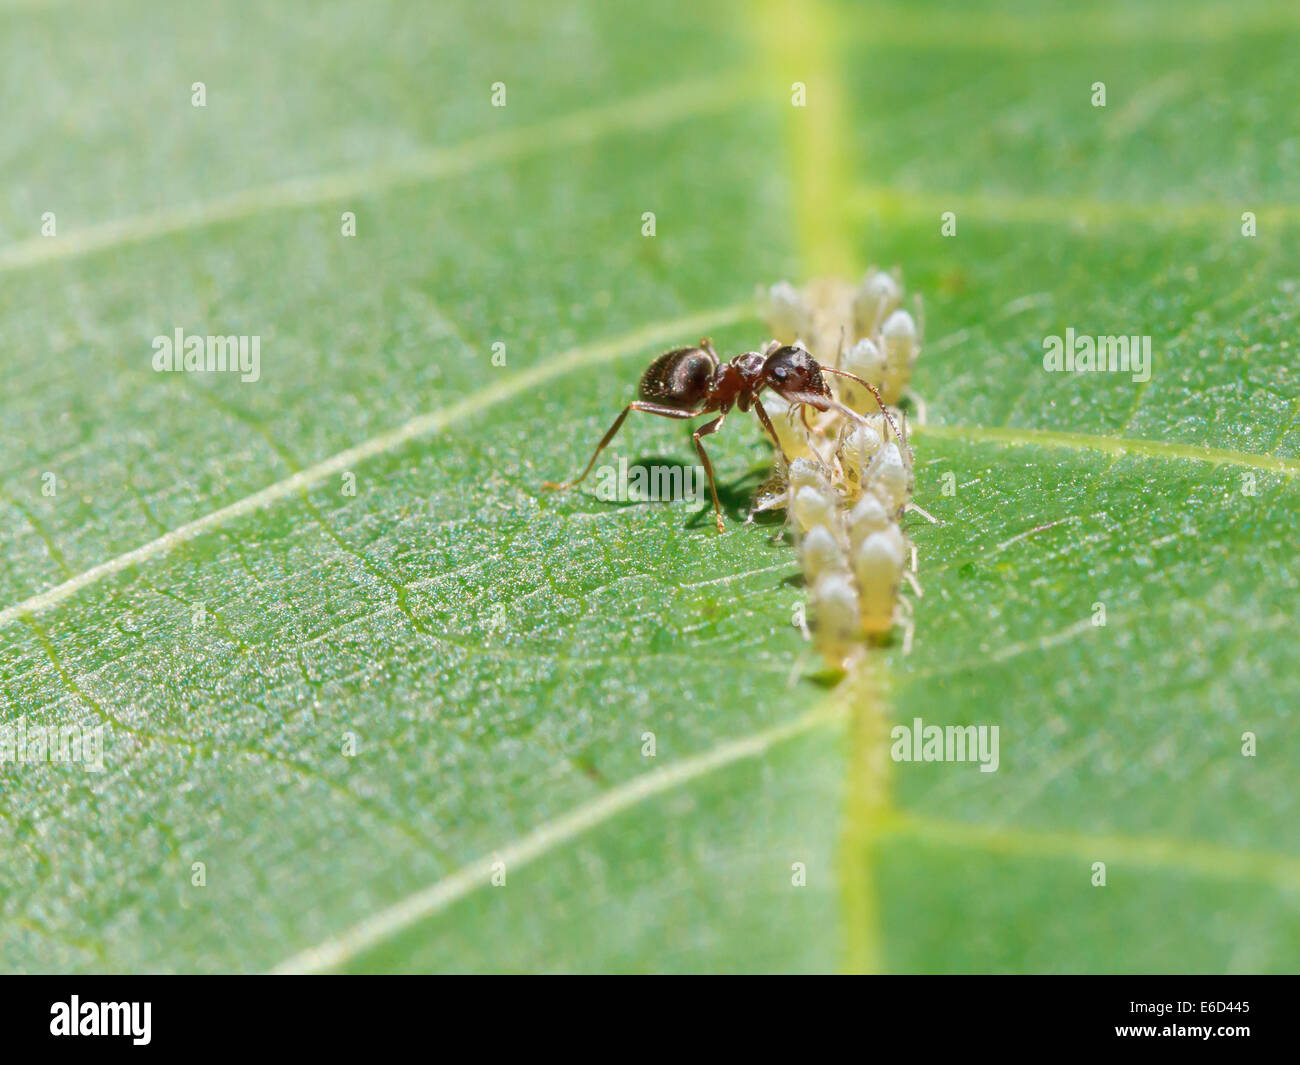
x=849, y=477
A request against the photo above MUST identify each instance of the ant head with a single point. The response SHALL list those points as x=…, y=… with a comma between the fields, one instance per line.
x=791, y=370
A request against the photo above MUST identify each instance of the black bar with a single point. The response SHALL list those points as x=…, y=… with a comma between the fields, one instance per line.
x=217, y=1014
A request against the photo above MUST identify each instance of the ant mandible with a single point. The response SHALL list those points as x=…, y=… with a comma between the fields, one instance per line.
x=688, y=382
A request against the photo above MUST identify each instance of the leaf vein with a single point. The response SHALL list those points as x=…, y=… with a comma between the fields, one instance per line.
x=433, y=899
x=1113, y=445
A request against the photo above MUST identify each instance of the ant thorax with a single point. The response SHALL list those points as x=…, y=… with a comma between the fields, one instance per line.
x=735, y=382
x=750, y=365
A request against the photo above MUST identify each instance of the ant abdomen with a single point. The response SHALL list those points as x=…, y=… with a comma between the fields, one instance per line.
x=679, y=379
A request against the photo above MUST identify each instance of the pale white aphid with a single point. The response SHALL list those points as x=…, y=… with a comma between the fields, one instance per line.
x=811, y=506
x=820, y=553
x=878, y=566
x=858, y=447
x=808, y=471
x=836, y=617
x=901, y=347
x=869, y=515
x=890, y=470
x=877, y=297
x=861, y=442
x=866, y=361
x=786, y=313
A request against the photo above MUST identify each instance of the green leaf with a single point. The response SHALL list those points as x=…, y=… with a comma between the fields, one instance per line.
x=201, y=585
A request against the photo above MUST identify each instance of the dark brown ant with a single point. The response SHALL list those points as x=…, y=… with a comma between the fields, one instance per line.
x=687, y=382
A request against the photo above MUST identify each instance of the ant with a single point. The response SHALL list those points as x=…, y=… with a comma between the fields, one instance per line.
x=687, y=382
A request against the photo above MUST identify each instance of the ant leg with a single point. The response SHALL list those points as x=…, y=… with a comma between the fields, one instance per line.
x=771, y=430
x=705, y=430
x=706, y=343
x=804, y=402
x=649, y=408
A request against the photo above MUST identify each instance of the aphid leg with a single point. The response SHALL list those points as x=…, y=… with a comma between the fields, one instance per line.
x=705, y=430
x=910, y=577
x=649, y=408
x=812, y=434
x=924, y=513
x=903, y=617
x=918, y=403
x=796, y=668
x=914, y=558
